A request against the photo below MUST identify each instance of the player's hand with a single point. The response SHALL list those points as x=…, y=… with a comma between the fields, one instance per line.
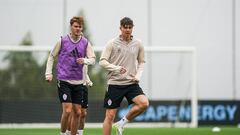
x=80, y=60
x=49, y=78
x=122, y=70
x=89, y=83
x=134, y=79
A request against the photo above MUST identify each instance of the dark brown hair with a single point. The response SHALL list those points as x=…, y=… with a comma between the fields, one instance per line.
x=126, y=21
x=78, y=20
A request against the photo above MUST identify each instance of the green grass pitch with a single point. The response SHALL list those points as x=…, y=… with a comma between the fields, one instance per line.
x=130, y=131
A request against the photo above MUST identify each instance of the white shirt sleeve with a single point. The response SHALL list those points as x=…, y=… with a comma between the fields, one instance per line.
x=90, y=60
x=104, y=60
x=52, y=55
x=141, y=61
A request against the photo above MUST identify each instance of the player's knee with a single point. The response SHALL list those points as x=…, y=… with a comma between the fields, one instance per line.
x=67, y=111
x=110, y=117
x=144, y=105
x=78, y=113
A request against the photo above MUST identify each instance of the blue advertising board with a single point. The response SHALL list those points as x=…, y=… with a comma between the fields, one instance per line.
x=209, y=112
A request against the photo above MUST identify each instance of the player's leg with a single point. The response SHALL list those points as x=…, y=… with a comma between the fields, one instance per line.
x=68, y=132
x=139, y=106
x=84, y=105
x=64, y=93
x=82, y=121
x=67, y=108
x=80, y=124
x=140, y=103
x=139, y=100
x=107, y=123
x=112, y=100
x=80, y=104
x=76, y=117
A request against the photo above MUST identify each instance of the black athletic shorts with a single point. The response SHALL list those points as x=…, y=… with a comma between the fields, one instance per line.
x=76, y=94
x=116, y=93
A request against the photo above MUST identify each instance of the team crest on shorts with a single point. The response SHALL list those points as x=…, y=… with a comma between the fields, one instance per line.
x=64, y=96
x=109, y=102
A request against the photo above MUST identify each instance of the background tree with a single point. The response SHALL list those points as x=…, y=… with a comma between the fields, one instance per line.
x=23, y=77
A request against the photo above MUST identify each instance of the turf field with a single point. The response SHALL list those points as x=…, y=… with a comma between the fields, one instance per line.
x=129, y=131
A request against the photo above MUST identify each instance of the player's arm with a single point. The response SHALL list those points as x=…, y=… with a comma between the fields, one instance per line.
x=140, y=66
x=49, y=66
x=87, y=80
x=90, y=56
x=105, y=63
